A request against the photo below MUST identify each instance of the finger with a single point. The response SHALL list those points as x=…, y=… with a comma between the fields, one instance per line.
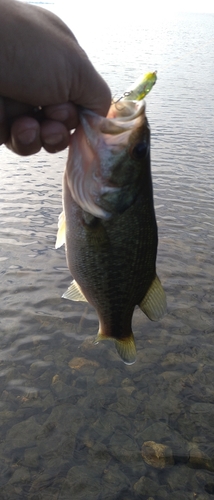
x=88, y=88
x=54, y=136
x=25, y=136
x=66, y=113
x=19, y=133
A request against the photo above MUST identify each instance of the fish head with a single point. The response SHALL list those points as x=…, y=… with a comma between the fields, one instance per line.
x=108, y=158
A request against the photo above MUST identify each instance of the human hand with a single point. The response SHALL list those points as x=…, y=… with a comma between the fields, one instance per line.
x=43, y=68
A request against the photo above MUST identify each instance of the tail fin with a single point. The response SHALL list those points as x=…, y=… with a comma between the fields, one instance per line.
x=125, y=347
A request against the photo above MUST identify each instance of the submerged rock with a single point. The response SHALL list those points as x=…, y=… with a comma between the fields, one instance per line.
x=21, y=475
x=161, y=433
x=115, y=484
x=80, y=363
x=23, y=434
x=124, y=448
x=156, y=454
x=198, y=459
x=80, y=483
x=148, y=486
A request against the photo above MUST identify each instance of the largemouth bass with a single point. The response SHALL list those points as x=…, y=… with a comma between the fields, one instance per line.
x=108, y=222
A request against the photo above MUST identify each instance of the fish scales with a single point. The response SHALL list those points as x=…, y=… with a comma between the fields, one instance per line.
x=106, y=256
x=111, y=231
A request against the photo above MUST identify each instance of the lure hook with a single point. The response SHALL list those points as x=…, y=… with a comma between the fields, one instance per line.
x=115, y=102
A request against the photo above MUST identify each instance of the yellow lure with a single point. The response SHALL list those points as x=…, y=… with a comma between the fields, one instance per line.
x=141, y=88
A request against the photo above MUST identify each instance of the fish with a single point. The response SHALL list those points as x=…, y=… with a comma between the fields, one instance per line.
x=108, y=222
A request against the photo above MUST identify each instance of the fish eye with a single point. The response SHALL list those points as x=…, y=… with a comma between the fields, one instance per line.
x=140, y=150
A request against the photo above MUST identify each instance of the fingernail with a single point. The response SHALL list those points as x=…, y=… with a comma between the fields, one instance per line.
x=54, y=139
x=27, y=136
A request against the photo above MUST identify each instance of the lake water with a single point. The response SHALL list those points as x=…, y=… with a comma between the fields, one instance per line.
x=75, y=421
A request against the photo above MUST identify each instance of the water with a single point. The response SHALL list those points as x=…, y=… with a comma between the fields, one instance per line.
x=75, y=421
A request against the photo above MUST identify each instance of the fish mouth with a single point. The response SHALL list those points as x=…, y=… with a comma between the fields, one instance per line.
x=97, y=147
x=126, y=111
x=122, y=117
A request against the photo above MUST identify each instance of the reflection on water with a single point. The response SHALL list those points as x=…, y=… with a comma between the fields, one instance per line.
x=75, y=421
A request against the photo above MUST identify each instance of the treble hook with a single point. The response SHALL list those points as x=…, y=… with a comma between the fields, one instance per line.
x=126, y=94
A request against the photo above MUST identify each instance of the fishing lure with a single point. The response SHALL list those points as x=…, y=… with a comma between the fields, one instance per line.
x=140, y=89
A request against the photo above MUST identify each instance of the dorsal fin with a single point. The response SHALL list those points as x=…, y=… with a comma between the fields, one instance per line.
x=154, y=302
x=60, y=238
x=74, y=292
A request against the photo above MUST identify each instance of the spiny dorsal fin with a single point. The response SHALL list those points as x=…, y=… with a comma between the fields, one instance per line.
x=154, y=303
x=74, y=292
x=60, y=239
x=125, y=347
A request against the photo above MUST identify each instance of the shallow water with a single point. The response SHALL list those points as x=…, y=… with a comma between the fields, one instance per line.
x=75, y=421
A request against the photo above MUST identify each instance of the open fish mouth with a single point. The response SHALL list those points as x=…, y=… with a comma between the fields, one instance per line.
x=97, y=149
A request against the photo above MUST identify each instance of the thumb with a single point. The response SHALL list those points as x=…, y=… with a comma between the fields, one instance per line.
x=88, y=88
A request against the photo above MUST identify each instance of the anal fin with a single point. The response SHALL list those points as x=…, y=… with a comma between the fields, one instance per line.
x=74, y=292
x=154, y=302
x=60, y=238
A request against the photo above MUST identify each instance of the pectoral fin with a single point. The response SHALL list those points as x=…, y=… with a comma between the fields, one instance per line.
x=74, y=292
x=60, y=239
x=154, y=302
x=125, y=347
